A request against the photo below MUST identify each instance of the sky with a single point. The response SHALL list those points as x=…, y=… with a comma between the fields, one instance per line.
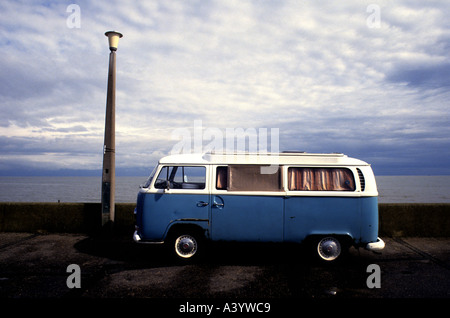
x=370, y=79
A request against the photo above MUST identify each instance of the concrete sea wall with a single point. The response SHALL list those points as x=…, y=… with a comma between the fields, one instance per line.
x=415, y=219
x=61, y=217
x=396, y=219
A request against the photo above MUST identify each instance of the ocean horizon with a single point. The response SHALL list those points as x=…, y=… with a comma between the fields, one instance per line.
x=391, y=189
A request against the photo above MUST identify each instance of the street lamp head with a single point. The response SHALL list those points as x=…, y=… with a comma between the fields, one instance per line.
x=113, y=39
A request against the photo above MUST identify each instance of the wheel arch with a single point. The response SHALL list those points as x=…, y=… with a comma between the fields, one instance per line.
x=185, y=227
x=344, y=237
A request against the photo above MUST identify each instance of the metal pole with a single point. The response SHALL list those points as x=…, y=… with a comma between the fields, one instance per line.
x=109, y=160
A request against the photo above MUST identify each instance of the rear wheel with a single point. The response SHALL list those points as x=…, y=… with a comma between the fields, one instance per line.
x=329, y=249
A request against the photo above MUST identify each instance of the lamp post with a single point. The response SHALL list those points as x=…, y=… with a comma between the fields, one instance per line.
x=109, y=160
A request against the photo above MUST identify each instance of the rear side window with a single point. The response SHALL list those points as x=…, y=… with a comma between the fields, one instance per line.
x=181, y=177
x=320, y=179
x=247, y=178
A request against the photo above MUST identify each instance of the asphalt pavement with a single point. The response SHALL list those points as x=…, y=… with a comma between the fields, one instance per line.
x=69, y=266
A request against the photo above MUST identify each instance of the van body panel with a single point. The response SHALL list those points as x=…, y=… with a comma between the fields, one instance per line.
x=306, y=216
x=369, y=219
x=162, y=210
x=247, y=218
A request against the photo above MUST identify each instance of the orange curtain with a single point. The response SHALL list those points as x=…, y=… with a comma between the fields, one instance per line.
x=222, y=173
x=321, y=179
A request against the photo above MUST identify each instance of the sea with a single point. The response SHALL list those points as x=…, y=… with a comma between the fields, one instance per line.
x=392, y=189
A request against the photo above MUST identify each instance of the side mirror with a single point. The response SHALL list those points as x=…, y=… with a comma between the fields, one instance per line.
x=166, y=185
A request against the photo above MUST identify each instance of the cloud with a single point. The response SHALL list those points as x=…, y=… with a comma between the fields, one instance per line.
x=422, y=75
x=313, y=69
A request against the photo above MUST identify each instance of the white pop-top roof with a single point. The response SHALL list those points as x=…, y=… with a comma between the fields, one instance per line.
x=284, y=158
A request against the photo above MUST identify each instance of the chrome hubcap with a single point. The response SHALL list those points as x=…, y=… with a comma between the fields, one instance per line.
x=329, y=248
x=185, y=246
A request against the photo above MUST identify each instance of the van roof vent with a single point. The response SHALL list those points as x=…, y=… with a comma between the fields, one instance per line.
x=361, y=179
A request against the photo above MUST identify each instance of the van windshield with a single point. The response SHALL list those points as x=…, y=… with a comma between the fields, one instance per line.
x=150, y=178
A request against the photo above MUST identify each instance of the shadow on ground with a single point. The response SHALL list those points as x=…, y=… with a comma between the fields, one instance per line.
x=123, y=248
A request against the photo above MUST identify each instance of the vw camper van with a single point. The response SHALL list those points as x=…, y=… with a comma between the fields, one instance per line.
x=327, y=200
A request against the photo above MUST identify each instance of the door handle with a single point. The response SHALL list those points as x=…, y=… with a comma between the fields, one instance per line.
x=202, y=203
x=217, y=202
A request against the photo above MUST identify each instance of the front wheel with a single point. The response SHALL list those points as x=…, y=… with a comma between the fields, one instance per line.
x=186, y=246
x=329, y=249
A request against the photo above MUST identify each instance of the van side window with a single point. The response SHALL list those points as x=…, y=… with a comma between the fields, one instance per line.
x=247, y=178
x=221, y=178
x=181, y=177
x=320, y=179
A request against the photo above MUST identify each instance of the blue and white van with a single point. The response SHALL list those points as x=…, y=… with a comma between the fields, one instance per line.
x=329, y=200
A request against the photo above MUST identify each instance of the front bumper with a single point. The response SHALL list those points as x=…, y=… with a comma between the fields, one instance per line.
x=377, y=246
x=136, y=237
